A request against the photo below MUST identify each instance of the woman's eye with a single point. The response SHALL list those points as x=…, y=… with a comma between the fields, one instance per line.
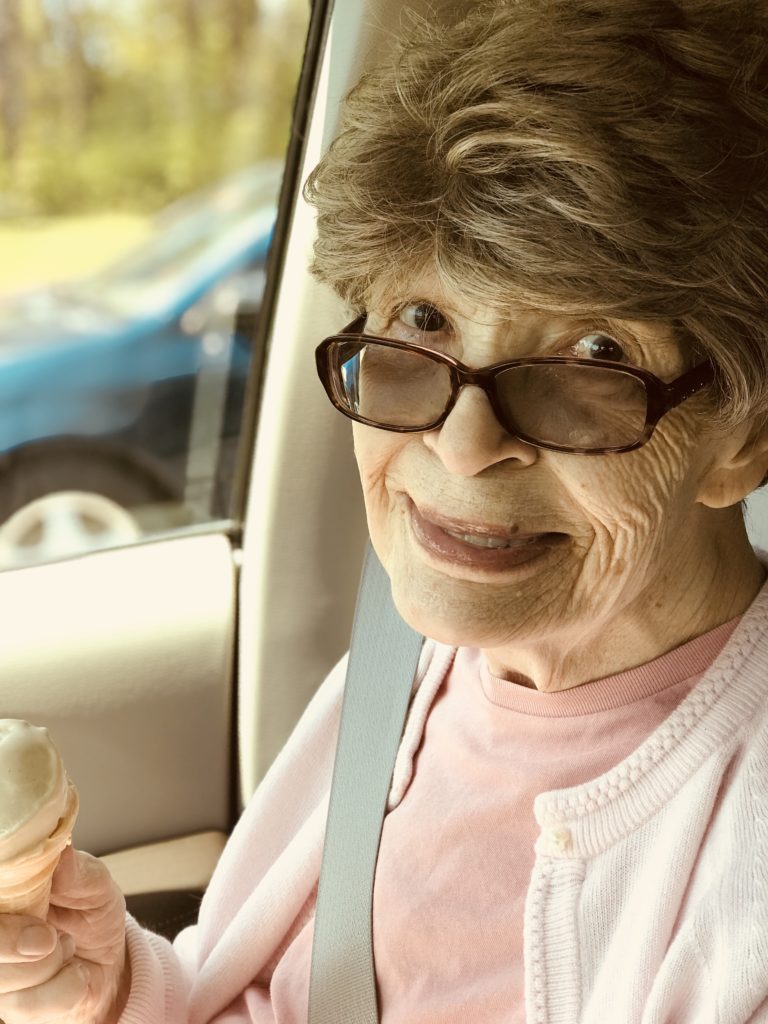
x=599, y=346
x=423, y=317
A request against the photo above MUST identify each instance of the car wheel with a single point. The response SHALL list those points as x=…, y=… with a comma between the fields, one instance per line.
x=127, y=475
x=61, y=524
x=71, y=495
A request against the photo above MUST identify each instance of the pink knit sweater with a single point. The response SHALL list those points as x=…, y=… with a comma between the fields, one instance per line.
x=647, y=901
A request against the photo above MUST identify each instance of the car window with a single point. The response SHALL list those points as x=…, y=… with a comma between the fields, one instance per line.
x=141, y=155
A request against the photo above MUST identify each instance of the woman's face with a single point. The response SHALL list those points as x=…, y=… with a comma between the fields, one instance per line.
x=602, y=555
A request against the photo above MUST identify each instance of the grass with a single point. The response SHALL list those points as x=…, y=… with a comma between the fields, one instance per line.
x=40, y=251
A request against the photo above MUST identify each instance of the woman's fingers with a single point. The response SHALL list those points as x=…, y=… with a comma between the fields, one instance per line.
x=31, y=952
x=40, y=980
x=66, y=970
x=54, y=1000
x=22, y=936
x=86, y=903
x=79, y=880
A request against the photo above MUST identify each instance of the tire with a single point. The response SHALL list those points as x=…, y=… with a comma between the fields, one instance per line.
x=70, y=495
x=128, y=477
x=62, y=524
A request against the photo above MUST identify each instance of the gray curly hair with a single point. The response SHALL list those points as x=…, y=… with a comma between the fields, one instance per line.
x=574, y=156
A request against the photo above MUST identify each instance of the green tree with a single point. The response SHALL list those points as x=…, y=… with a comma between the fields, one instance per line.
x=132, y=104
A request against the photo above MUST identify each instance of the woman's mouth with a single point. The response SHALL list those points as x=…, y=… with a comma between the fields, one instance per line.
x=482, y=547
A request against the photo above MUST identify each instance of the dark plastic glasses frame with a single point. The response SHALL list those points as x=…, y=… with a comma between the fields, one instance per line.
x=660, y=397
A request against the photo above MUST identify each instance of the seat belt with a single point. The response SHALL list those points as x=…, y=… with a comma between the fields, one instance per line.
x=383, y=659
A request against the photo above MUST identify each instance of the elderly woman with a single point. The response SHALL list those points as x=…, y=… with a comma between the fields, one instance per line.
x=550, y=224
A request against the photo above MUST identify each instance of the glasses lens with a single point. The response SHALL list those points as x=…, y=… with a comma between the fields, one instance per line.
x=565, y=404
x=390, y=386
x=577, y=406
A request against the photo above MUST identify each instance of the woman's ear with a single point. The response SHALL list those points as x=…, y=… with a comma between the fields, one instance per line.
x=741, y=468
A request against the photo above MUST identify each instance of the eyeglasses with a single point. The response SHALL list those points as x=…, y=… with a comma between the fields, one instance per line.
x=555, y=402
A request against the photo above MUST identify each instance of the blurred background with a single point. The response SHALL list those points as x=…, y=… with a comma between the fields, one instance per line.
x=141, y=148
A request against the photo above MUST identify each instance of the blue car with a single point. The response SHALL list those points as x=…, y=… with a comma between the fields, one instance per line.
x=130, y=383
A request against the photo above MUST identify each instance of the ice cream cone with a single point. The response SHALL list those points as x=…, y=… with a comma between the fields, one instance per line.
x=25, y=881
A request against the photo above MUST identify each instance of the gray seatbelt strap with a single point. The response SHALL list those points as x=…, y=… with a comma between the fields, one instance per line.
x=383, y=658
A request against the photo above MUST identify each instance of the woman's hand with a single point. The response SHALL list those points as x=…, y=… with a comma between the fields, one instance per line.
x=72, y=968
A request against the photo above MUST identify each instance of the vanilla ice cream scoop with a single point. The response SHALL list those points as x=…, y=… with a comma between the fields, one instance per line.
x=38, y=807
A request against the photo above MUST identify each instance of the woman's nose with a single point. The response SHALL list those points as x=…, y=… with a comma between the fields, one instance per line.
x=472, y=439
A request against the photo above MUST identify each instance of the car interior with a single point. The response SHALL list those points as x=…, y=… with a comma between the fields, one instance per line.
x=171, y=668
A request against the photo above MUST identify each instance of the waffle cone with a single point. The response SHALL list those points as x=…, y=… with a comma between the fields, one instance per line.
x=25, y=881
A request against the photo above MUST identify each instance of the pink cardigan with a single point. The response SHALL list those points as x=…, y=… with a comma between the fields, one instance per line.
x=648, y=903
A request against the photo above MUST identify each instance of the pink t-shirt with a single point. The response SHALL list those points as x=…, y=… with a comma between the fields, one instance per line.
x=457, y=854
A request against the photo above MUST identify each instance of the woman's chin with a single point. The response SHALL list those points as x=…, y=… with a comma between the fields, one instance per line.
x=449, y=611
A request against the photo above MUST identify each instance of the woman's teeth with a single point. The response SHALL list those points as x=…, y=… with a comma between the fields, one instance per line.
x=481, y=542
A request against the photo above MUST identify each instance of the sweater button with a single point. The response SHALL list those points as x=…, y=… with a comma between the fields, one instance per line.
x=559, y=841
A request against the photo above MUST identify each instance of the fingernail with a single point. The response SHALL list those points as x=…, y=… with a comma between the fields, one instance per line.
x=36, y=940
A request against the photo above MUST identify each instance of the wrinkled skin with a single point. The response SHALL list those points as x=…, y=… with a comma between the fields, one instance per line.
x=656, y=554
x=73, y=967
